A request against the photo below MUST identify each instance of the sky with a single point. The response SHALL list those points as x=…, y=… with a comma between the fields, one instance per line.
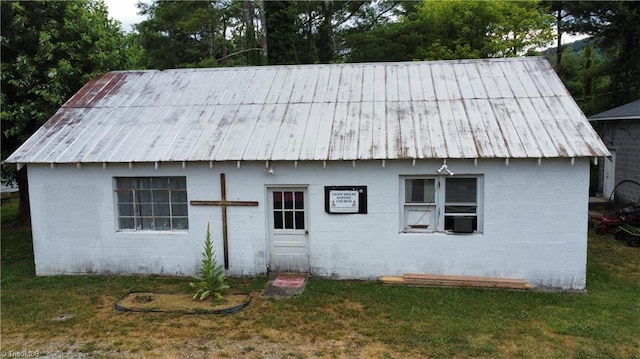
x=124, y=11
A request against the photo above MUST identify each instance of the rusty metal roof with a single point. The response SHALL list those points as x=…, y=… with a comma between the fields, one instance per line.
x=498, y=108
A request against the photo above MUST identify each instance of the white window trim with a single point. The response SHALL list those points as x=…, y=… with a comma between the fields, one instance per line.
x=440, y=204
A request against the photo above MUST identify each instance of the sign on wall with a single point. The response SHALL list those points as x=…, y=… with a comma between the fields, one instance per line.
x=345, y=199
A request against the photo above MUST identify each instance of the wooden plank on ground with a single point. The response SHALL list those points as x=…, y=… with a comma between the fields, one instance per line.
x=464, y=281
x=392, y=280
x=455, y=277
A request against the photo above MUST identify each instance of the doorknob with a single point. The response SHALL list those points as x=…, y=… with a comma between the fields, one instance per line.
x=306, y=233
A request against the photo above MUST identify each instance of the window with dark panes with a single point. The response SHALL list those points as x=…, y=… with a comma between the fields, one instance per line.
x=152, y=203
x=460, y=201
x=288, y=210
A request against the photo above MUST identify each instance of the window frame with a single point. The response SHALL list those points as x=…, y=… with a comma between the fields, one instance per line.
x=162, y=186
x=439, y=206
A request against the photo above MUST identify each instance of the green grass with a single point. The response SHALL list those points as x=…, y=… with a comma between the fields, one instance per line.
x=331, y=319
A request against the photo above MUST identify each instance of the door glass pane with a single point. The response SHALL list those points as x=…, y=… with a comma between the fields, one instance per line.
x=288, y=210
x=277, y=200
x=288, y=200
x=288, y=220
x=299, y=219
x=277, y=220
x=299, y=196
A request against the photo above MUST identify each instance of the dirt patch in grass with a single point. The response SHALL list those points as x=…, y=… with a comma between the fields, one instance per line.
x=181, y=303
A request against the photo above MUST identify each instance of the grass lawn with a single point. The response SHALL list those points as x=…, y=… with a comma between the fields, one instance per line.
x=331, y=319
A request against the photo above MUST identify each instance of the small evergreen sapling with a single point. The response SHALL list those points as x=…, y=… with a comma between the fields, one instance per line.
x=211, y=280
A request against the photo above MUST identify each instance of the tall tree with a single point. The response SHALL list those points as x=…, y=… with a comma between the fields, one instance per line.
x=49, y=50
x=238, y=32
x=557, y=9
x=582, y=73
x=614, y=24
x=434, y=30
x=282, y=32
x=201, y=33
x=587, y=77
x=180, y=34
x=248, y=15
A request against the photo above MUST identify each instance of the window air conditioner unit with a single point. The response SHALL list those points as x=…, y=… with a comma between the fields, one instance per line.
x=463, y=224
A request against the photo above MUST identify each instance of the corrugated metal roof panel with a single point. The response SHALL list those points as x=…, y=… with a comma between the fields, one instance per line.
x=629, y=111
x=498, y=108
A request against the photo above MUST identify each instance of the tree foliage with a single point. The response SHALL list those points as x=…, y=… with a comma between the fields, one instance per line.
x=252, y=32
x=49, y=50
x=435, y=30
x=282, y=32
x=583, y=65
x=201, y=33
x=614, y=24
x=606, y=73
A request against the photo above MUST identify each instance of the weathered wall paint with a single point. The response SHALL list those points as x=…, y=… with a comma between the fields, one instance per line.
x=623, y=136
x=534, y=221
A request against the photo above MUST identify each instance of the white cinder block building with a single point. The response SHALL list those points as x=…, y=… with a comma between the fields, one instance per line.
x=620, y=173
x=475, y=167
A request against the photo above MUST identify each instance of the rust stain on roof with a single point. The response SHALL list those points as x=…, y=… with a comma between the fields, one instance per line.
x=96, y=89
x=490, y=108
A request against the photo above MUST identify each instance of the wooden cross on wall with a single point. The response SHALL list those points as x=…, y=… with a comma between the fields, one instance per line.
x=224, y=203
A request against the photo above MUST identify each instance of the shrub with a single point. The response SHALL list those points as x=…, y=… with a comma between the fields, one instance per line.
x=211, y=281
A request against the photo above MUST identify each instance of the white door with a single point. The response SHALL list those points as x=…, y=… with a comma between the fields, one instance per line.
x=289, y=238
x=609, y=175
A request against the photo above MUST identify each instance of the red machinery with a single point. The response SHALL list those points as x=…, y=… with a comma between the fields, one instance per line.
x=610, y=222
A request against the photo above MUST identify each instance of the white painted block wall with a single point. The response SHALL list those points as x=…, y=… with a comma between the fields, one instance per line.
x=534, y=221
